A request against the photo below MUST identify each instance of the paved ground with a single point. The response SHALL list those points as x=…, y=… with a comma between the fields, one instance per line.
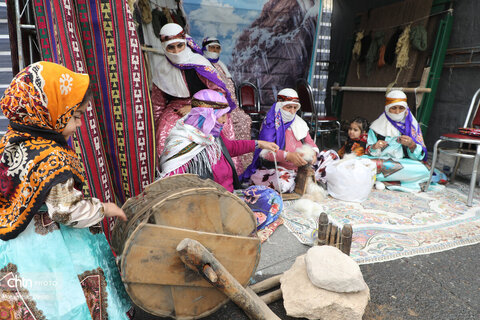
x=441, y=286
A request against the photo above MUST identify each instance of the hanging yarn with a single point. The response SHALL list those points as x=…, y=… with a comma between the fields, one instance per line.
x=131, y=5
x=145, y=10
x=418, y=38
x=381, y=56
x=372, y=54
x=402, y=50
x=357, y=50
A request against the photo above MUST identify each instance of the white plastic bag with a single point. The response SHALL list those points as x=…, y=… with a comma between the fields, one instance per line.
x=352, y=179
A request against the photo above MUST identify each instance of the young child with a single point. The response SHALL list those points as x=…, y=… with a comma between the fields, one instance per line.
x=357, y=138
x=55, y=263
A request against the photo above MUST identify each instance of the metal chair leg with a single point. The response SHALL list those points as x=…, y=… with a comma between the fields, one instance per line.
x=474, y=177
x=338, y=134
x=455, y=168
x=434, y=160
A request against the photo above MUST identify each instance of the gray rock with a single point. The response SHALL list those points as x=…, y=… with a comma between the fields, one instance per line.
x=330, y=269
x=302, y=299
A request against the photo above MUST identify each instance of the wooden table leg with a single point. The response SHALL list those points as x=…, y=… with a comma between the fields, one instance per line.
x=198, y=258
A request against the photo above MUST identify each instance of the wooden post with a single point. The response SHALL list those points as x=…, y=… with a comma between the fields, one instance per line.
x=338, y=239
x=322, y=229
x=347, y=232
x=197, y=257
x=329, y=232
x=333, y=236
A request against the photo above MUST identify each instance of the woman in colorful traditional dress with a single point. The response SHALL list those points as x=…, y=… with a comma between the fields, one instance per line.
x=395, y=143
x=177, y=76
x=289, y=132
x=197, y=145
x=55, y=262
x=242, y=123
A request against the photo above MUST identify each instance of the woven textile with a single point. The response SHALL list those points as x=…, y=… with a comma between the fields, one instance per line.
x=116, y=142
x=390, y=225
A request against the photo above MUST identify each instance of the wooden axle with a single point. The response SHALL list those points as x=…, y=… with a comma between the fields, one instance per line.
x=198, y=258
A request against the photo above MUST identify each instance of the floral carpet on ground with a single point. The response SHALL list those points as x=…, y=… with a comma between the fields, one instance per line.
x=391, y=225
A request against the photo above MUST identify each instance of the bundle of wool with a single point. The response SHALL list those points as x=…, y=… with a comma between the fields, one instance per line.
x=308, y=154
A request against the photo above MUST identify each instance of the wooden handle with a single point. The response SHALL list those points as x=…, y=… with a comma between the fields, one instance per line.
x=196, y=257
x=266, y=284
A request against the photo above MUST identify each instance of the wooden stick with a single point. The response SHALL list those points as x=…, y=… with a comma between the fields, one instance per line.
x=266, y=284
x=333, y=236
x=196, y=256
x=322, y=229
x=272, y=296
x=338, y=239
x=380, y=89
x=347, y=232
x=329, y=232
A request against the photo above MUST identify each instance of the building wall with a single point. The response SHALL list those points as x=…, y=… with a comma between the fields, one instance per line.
x=457, y=85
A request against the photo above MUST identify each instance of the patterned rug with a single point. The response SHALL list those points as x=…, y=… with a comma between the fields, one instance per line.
x=391, y=225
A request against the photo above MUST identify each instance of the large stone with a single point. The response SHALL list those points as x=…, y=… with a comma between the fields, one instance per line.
x=302, y=299
x=330, y=269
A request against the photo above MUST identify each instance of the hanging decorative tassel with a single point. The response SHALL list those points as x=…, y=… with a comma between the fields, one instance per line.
x=357, y=50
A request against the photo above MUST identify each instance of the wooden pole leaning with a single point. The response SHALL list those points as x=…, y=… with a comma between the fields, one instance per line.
x=198, y=258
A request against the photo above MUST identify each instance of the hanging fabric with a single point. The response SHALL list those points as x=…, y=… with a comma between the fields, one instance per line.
x=418, y=38
x=391, y=45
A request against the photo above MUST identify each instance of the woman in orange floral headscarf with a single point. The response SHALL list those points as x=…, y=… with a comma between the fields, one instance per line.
x=52, y=251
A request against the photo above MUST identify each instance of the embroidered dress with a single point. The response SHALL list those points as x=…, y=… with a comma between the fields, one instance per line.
x=55, y=262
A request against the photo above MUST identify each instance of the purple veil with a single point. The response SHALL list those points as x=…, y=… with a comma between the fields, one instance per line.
x=410, y=128
x=273, y=130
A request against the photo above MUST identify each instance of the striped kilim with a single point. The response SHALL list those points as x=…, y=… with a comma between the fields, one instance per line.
x=116, y=142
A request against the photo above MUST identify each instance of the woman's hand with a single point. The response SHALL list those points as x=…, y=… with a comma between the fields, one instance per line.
x=112, y=210
x=381, y=144
x=267, y=145
x=296, y=158
x=184, y=110
x=407, y=142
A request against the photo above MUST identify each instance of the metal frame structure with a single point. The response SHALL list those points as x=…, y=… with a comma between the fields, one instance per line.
x=461, y=152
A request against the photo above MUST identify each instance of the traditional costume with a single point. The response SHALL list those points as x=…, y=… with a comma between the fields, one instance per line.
x=176, y=78
x=197, y=145
x=242, y=123
x=397, y=166
x=55, y=262
x=355, y=146
x=289, y=132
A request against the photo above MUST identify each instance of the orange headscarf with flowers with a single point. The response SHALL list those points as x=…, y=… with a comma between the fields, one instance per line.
x=34, y=155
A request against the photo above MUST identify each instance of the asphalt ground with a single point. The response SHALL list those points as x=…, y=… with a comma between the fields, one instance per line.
x=440, y=286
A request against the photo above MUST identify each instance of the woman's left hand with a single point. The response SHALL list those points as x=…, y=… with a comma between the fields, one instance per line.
x=267, y=145
x=407, y=142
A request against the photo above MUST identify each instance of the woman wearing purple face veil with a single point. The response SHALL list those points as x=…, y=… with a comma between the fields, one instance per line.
x=395, y=143
x=176, y=77
x=242, y=123
x=289, y=132
x=197, y=145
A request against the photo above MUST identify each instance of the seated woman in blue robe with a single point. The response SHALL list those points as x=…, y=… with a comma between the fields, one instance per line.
x=395, y=143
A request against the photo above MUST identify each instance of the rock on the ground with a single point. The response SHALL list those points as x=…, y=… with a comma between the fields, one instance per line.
x=330, y=269
x=304, y=300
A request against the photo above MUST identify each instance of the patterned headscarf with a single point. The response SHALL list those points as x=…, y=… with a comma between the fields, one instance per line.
x=34, y=155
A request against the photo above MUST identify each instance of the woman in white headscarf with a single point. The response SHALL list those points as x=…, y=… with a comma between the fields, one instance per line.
x=177, y=76
x=242, y=123
x=395, y=143
x=290, y=132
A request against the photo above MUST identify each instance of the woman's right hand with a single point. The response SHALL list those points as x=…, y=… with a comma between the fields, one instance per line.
x=380, y=144
x=296, y=158
x=111, y=210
